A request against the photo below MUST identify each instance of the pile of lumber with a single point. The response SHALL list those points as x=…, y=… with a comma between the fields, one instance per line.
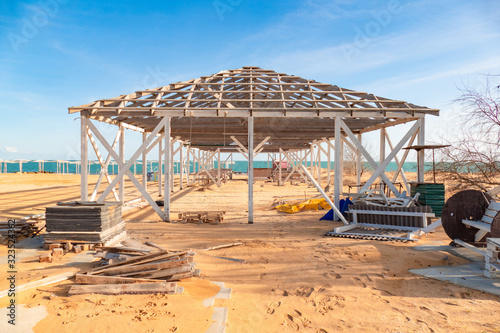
x=202, y=217
x=21, y=228
x=84, y=222
x=135, y=271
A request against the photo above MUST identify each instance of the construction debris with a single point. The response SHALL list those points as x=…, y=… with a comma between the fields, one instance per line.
x=155, y=272
x=21, y=227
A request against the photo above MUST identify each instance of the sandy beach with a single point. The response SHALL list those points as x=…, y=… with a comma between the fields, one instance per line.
x=287, y=277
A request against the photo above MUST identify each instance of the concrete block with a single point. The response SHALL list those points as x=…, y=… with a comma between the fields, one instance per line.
x=54, y=246
x=58, y=252
x=47, y=257
x=67, y=246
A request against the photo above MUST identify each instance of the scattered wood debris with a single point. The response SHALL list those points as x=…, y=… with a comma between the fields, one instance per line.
x=22, y=227
x=140, y=269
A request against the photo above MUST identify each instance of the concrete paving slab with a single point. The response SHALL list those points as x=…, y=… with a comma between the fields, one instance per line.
x=25, y=318
x=469, y=275
x=219, y=321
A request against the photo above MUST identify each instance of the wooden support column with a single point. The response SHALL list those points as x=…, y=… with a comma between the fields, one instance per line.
x=421, y=152
x=341, y=164
x=144, y=164
x=319, y=165
x=358, y=163
x=218, y=166
x=160, y=168
x=382, y=154
x=188, y=166
x=250, y=170
x=167, y=158
x=181, y=166
x=121, y=186
x=84, y=180
x=312, y=160
x=172, y=166
x=337, y=166
x=280, y=167
x=329, y=159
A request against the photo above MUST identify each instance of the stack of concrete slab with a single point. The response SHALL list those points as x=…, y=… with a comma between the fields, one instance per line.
x=87, y=222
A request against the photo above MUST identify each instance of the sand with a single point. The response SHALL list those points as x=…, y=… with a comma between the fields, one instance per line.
x=292, y=278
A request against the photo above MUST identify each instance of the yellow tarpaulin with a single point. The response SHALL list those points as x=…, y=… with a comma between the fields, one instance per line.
x=311, y=204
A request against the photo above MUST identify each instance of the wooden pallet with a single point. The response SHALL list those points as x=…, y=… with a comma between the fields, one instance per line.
x=202, y=217
x=492, y=258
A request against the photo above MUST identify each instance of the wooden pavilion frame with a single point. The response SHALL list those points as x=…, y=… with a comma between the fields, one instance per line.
x=229, y=111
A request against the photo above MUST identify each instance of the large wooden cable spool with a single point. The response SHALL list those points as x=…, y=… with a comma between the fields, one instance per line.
x=471, y=205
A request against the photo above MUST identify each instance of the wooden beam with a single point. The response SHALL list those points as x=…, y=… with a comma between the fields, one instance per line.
x=121, y=289
x=421, y=152
x=84, y=180
x=325, y=196
x=381, y=168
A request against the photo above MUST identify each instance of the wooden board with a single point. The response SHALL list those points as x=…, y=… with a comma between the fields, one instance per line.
x=99, y=279
x=121, y=289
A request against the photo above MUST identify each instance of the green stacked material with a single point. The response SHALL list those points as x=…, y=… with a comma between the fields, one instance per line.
x=430, y=195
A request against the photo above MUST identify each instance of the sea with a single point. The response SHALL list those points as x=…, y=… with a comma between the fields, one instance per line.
x=70, y=167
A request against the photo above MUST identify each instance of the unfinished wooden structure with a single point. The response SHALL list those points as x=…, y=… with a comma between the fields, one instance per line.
x=248, y=110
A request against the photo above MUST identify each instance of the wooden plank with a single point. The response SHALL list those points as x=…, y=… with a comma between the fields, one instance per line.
x=490, y=212
x=164, y=272
x=121, y=289
x=122, y=249
x=173, y=256
x=99, y=279
x=145, y=267
x=135, y=260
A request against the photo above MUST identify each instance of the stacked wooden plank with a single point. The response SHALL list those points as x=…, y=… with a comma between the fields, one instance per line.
x=84, y=222
x=21, y=228
x=202, y=217
x=138, y=273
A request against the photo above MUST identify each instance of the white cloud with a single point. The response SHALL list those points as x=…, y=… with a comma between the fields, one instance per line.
x=11, y=149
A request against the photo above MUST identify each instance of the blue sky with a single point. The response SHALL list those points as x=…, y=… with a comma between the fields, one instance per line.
x=60, y=53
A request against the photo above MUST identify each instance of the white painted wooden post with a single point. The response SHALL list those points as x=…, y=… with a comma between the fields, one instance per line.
x=167, y=158
x=421, y=152
x=312, y=160
x=319, y=165
x=144, y=164
x=250, y=170
x=181, y=166
x=329, y=158
x=84, y=180
x=337, y=166
x=382, y=154
x=160, y=168
x=188, y=164
x=341, y=165
x=218, y=166
x=358, y=163
x=171, y=166
x=281, y=163
x=121, y=187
